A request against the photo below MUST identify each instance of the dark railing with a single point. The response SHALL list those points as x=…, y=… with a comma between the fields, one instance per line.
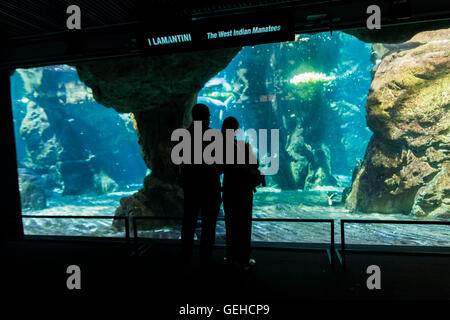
x=127, y=224
x=330, y=252
x=341, y=254
x=343, y=250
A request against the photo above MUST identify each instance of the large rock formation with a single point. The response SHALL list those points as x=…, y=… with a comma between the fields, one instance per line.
x=56, y=119
x=406, y=168
x=269, y=101
x=302, y=89
x=32, y=194
x=160, y=92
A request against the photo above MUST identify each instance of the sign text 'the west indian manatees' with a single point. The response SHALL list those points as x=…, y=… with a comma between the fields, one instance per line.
x=198, y=35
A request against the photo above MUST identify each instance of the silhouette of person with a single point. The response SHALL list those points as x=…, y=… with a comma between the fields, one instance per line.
x=239, y=182
x=201, y=184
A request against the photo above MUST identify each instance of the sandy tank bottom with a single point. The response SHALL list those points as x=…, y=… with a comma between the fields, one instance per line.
x=268, y=203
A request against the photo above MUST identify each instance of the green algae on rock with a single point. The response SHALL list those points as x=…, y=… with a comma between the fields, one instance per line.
x=406, y=163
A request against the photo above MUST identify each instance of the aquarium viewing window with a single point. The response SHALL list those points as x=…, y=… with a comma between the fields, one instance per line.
x=77, y=157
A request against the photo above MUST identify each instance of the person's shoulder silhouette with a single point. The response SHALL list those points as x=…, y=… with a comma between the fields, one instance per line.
x=200, y=175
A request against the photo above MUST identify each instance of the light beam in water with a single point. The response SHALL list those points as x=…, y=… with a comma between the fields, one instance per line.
x=311, y=77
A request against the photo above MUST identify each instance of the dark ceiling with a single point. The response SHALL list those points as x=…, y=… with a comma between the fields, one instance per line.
x=19, y=18
x=22, y=18
x=34, y=32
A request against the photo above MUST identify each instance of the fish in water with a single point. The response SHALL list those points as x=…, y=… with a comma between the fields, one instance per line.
x=215, y=102
x=330, y=199
x=220, y=83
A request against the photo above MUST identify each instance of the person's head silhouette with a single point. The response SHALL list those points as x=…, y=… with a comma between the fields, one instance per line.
x=230, y=123
x=200, y=112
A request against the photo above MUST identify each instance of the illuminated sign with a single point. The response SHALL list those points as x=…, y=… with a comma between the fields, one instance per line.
x=218, y=33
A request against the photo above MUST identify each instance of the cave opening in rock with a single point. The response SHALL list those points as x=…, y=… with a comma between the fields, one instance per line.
x=363, y=134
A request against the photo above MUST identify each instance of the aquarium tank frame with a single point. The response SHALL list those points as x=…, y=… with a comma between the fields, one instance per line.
x=95, y=42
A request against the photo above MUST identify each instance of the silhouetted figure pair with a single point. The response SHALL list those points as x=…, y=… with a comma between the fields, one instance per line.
x=201, y=184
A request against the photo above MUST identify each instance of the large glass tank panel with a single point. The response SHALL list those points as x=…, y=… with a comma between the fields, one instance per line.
x=315, y=91
x=77, y=157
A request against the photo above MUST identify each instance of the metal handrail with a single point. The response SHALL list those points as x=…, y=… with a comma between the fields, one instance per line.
x=341, y=256
x=126, y=218
x=331, y=221
x=366, y=221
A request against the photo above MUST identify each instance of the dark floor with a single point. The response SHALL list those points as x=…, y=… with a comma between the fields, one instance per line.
x=280, y=276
